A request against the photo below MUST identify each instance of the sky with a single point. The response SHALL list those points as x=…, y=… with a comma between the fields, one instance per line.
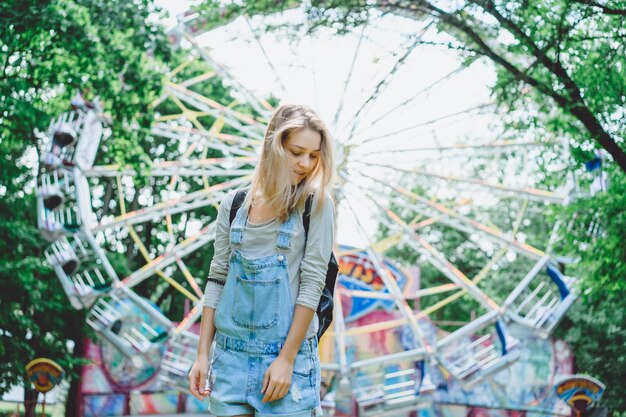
x=335, y=75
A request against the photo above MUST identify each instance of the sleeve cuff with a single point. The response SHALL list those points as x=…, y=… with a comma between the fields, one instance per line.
x=212, y=295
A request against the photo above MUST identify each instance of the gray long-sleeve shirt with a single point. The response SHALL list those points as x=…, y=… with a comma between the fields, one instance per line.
x=307, y=268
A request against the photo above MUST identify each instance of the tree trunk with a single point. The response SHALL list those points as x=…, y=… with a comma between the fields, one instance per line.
x=72, y=402
x=30, y=400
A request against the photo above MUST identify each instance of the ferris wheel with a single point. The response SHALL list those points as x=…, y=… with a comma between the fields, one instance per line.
x=393, y=165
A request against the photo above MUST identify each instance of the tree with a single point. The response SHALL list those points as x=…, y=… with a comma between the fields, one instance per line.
x=52, y=51
x=567, y=55
x=48, y=51
x=595, y=327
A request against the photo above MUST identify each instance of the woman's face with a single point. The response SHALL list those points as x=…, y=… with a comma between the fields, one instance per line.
x=303, y=151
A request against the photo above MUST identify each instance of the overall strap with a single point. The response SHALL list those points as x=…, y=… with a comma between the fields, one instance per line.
x=285, y=232
x=238, y=218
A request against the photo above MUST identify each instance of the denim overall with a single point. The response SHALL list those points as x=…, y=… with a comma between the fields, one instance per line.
x=252, y=320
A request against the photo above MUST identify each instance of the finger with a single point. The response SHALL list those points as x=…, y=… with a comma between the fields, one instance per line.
x=277, y=392
x=282, y=393
x=193, y=387
x=269, y=393
x=287, y=388
x=195, y=391
x=202, y=383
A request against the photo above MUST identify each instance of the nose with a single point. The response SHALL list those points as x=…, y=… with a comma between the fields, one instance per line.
x=305, y=162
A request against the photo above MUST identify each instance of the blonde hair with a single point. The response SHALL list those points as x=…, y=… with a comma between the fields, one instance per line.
x=271, y=178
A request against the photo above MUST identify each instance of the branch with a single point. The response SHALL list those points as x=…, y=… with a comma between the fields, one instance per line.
x=561, y=31
x=573, y=104
x=454, y=21
x=449, y=45
x=554, y=67
x=593, y=38
x=6, y=64
x=605, y=9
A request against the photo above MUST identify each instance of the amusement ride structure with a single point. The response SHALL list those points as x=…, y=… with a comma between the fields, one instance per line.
x=415, y=362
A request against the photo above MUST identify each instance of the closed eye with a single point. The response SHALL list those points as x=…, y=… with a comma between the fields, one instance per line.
x=298, y=154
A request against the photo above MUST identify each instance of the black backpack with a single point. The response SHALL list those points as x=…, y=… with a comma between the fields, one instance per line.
x=325, y=307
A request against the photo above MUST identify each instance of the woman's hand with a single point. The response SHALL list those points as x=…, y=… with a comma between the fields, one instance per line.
x=197, y=378
x=277, y=379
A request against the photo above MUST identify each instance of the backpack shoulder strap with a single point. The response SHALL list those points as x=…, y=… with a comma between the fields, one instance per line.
x=306, y=216
x=240, y=196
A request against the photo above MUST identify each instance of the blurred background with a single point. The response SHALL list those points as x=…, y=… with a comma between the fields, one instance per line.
x=480, y=195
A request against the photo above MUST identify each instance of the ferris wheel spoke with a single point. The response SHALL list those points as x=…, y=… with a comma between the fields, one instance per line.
x=443, y=288
x=347, y=80
x=497, y=146
x=186, y=83
x=480, y=275
x=227, y=138
x=426, y=123
x=413, y=98
x=190, y=96
x=384, y=83
x=186, y=114
x=457, y=220
x=189, y=320
x=257, y=38
x=391, y=285
x=261, y=106
x=190, y=279
x=192, y=167
x=198, y=79
x=521, y=193
x=243, y=123
x=426, y=312
x=179, y=68
x=211, y=142
x=187, y=202
x=388, y=52
x=436, y=258
x=416, y=295
x=146, y=254
x=184, y=248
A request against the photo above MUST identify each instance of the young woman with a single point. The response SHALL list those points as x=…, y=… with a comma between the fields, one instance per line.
x=264, y=283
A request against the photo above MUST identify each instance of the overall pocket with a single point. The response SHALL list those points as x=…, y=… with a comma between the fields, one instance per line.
x=256, y=301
